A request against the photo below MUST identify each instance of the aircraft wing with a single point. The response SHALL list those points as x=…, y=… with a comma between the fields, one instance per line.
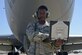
x=74, y=39
x=7, y=43
x=70, y=47
x=73, y=43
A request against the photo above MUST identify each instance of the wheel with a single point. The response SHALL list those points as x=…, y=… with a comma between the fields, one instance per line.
x=58, y=53
x=13, y=53
x=61, y=53
x=65, y=53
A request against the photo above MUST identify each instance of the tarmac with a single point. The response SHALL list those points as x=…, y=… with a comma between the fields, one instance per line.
x=54, y=54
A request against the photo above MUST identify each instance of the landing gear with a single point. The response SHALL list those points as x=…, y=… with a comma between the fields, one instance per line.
x=13, y=53
x=61, y=53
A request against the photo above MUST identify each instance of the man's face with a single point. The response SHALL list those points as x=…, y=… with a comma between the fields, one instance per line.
x=42, y=14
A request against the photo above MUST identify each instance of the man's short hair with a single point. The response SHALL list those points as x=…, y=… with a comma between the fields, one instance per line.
x=43, y=7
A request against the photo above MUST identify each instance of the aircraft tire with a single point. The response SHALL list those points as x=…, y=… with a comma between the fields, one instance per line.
x=61, y=53
x=13, y=53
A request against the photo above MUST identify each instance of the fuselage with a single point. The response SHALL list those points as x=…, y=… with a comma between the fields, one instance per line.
x=19, y=13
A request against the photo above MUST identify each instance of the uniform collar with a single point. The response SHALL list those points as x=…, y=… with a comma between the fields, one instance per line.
x=46, y=23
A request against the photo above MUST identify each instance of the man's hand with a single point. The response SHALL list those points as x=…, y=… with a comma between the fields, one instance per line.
x=40, y=36
x=37, y=36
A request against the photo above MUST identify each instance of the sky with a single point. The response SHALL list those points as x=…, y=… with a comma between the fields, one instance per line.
x=75, y=26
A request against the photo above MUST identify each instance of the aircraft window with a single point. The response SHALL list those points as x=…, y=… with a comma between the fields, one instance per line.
x=11, y=3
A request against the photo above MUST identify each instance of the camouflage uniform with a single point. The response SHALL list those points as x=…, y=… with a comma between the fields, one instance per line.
x=36, y=34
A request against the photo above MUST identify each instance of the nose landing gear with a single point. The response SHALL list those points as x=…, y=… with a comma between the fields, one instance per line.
x=13, y=53
x=61, y=53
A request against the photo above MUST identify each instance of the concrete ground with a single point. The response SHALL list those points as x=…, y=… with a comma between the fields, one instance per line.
x=54, y=54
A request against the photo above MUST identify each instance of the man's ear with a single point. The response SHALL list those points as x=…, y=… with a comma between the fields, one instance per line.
x=35, y=15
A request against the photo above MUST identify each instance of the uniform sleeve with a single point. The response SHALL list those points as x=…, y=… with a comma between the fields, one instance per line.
x=30, y=31
x=40, y=37
x=44, y=36
x=46, y=32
